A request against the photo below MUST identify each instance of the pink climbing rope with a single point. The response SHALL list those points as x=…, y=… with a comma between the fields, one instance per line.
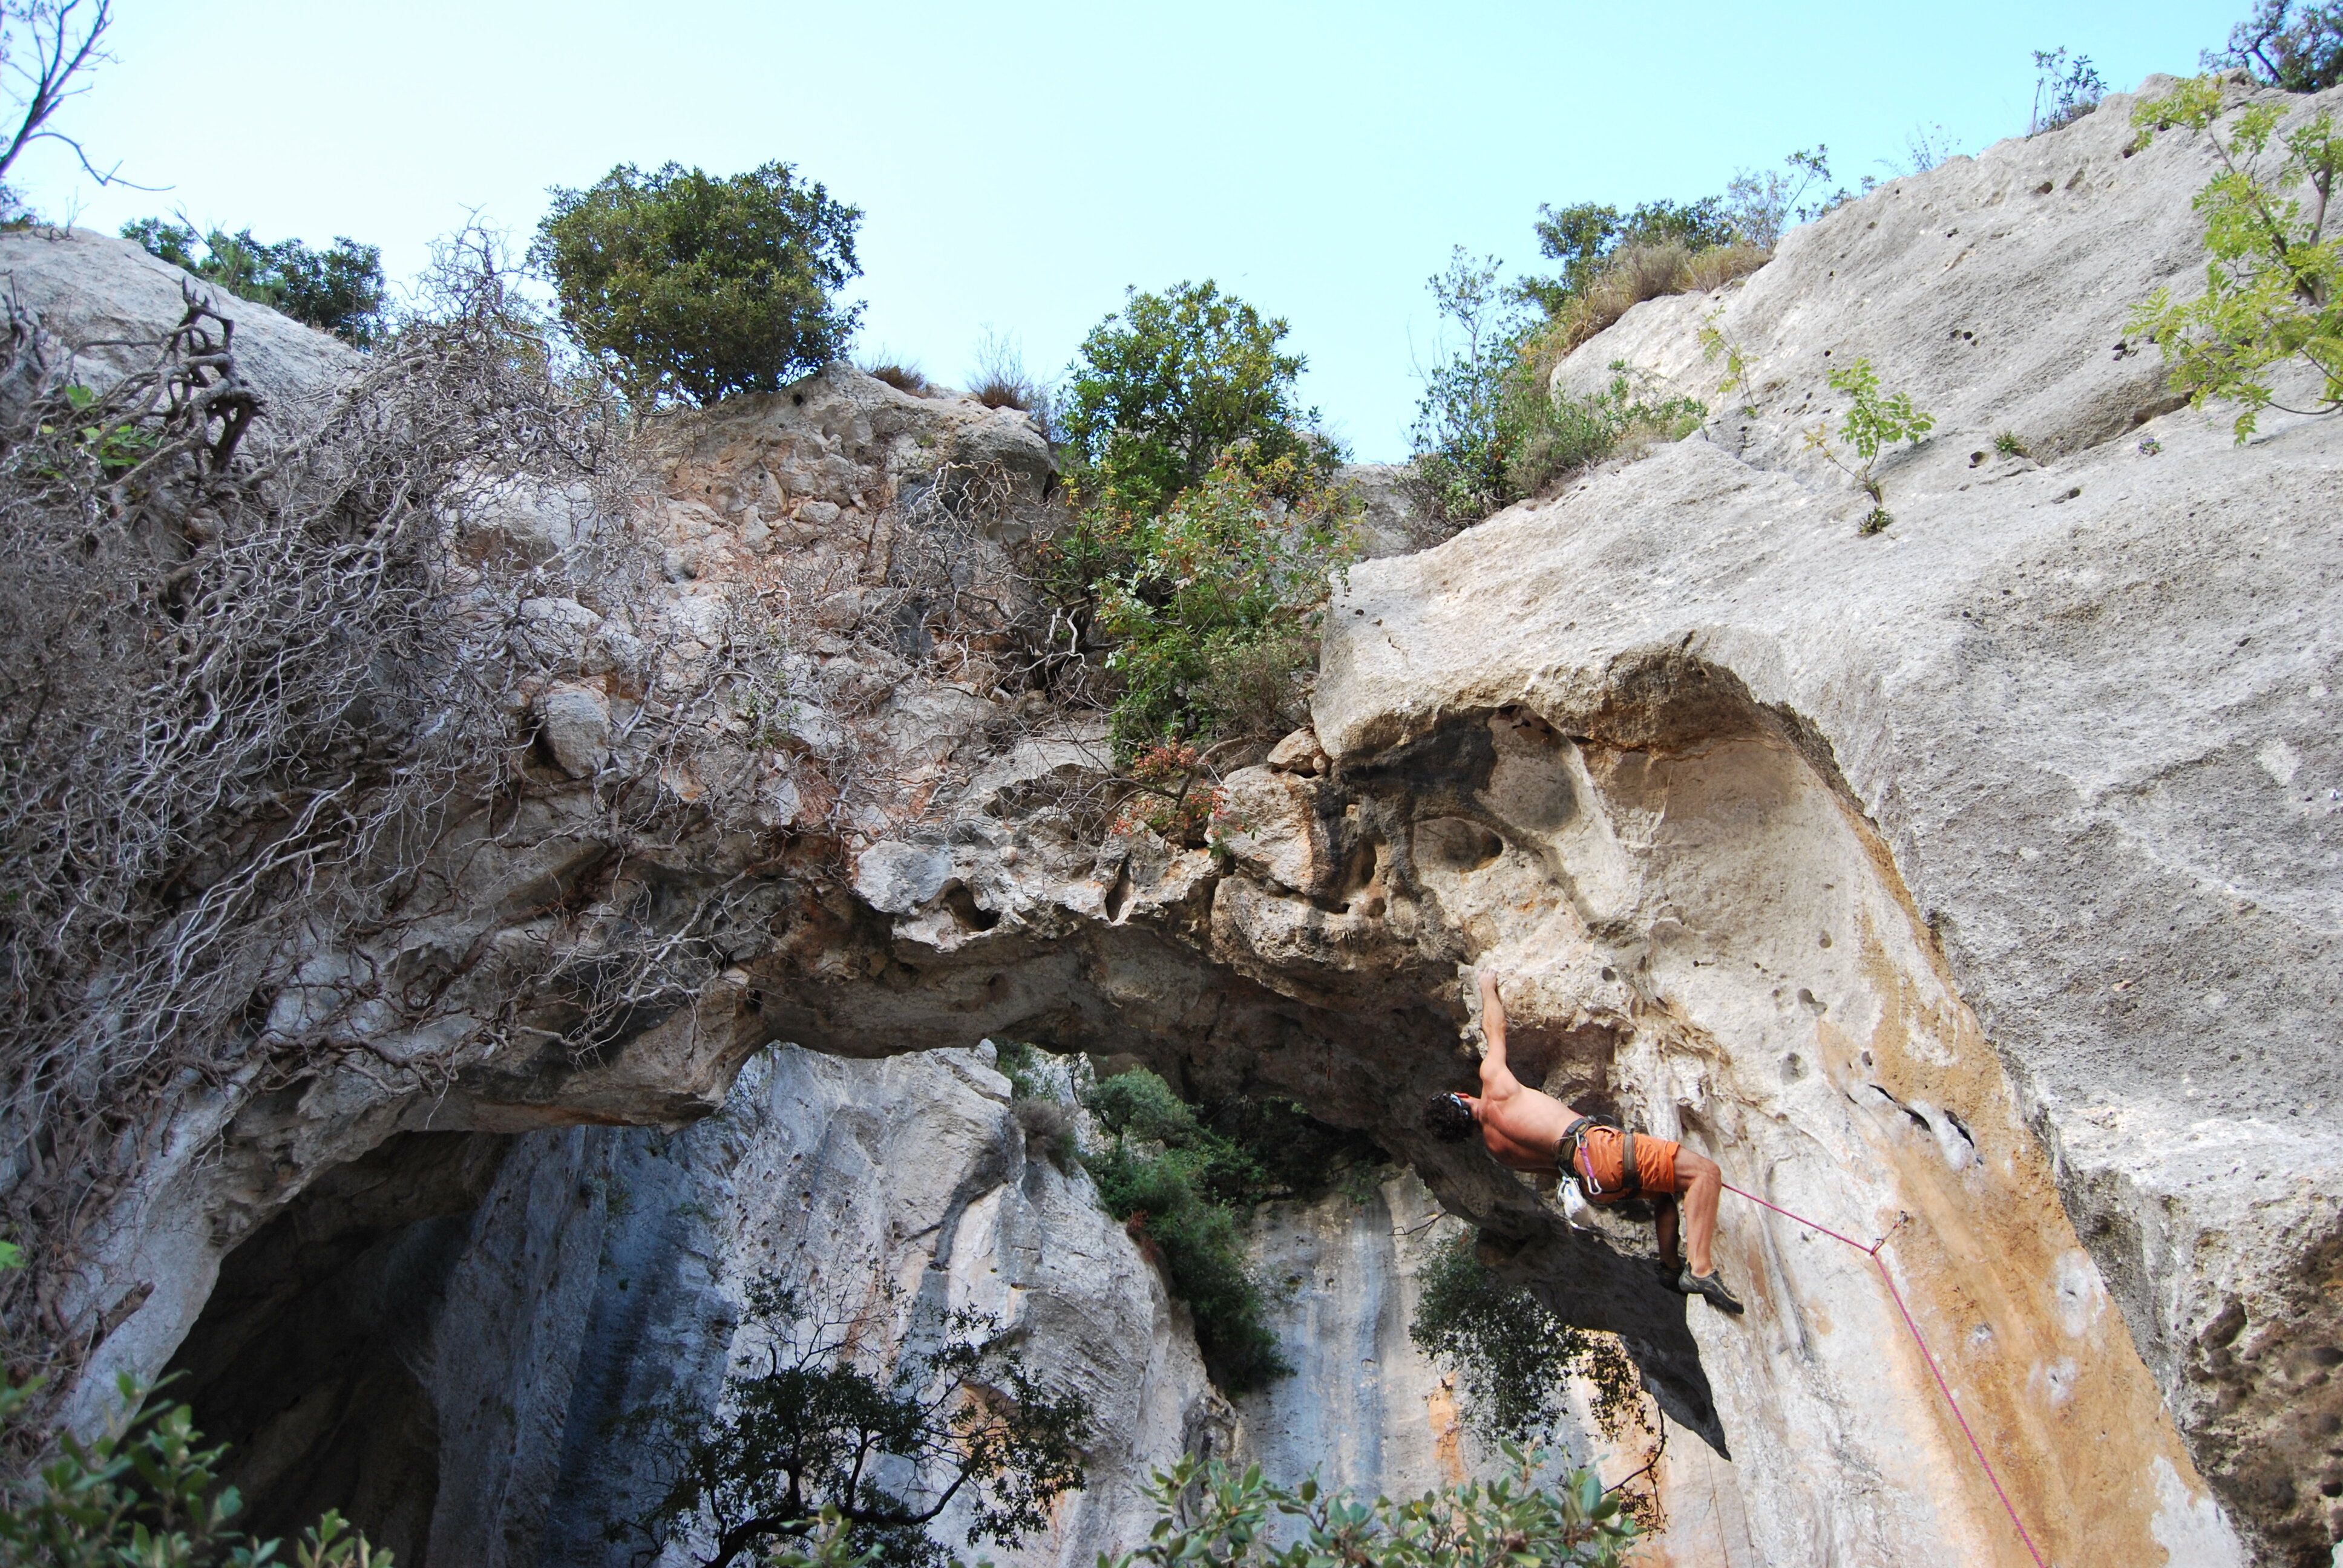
x=1935, y=1371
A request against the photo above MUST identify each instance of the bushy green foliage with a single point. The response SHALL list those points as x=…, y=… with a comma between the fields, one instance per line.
x=1511, y=1355
x=1177, y=1184
x=1489, y=431
x=339, y=290
x=2066, y=88
x=1168, y=387
x=1184, y=1176
x=2282, y=45
x=1215, y=612
x=1586, y=238
x=683, y=285
x=2271, y=286
x=1205, y=523
x=1210, y=1518
x=794, y=1454
x=146, y=1494
x=1874, y=419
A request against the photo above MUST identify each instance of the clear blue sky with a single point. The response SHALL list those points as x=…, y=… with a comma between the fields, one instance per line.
x=1020, y=163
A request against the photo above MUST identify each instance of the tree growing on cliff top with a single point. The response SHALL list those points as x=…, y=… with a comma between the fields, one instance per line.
x=338, y=289
x=2282, y=45
x=1162, y=390
x=685, y=286
x=811, y=1432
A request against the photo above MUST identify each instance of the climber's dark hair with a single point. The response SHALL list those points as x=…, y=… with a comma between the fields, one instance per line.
x=1447, y=1118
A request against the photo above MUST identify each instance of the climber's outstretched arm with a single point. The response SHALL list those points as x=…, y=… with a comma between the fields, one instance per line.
x=1497, y=1079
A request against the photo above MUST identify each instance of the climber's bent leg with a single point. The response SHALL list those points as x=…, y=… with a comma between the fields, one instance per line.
x=1698, y=1184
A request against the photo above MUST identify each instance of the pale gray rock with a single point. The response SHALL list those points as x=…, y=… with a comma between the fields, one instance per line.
x=102, y=297
x=2089, y=703
x=576, y=728
x=584, y=1274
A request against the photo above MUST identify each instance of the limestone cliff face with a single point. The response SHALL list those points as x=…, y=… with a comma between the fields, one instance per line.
x=462, y=1377
x=1973, y=883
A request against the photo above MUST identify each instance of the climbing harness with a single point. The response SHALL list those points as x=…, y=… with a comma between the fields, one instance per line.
x=1871, y=1251
x=1630, y=1180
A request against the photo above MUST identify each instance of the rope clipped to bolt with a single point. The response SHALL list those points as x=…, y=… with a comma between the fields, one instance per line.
x=1935, y=1371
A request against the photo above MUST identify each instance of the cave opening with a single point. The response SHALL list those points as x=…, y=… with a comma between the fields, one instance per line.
x=312, y=1360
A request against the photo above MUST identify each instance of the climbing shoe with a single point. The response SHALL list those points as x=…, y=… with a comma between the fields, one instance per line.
x=1670, y=1276
x=1711, y=1285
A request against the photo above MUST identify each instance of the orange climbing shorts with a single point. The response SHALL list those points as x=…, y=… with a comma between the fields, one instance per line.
x=1600, y=1176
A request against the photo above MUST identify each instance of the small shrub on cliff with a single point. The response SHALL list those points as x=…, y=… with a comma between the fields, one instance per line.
x=1183, y=1177
x=1176, y=1184
x=2065, y=89
x=1205, y=525
x=1489, y=430
x=1210, y=1518
x=1874, y=419
x=808, y=1446
x=2274, y=286
x=144, y=1491
x=339, y=290
x=2282, y=45
x=683, y=285
x=1215, y=610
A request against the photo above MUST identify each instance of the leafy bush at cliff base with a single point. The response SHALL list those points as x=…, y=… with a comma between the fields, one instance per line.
x=808, y=1446
x=1513, y=1358
x=2282, y=45
x=1182, y=1178
x=683, y=285
x=144, y=1491
x=1210, y=1518
x=2271, y=286
x=339, y=290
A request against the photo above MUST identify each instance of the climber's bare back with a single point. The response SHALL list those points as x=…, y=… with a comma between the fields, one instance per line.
x=1523, y=1127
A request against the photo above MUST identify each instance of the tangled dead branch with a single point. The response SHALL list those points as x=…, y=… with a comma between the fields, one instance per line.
x=249, y=690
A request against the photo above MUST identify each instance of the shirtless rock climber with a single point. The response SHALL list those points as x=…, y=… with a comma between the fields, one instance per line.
x=1531, y=1130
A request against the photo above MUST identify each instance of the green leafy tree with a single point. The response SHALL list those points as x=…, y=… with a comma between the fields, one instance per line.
x=2282, y=45
x=1588, y=236
x=1179, y=1186
x=1165, y=388
x=1210, y=1518
x=683, y=285
x=339, y=290
x=2271, y=283
x=145, y=1494
x=1216, y=617
x=1875, y=420
x=794, y=1453
x=1469, y=424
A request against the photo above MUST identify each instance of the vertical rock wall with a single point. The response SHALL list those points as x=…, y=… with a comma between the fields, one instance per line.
x=602, y=1270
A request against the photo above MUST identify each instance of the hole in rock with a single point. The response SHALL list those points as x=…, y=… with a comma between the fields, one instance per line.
x=1118, y=898
x=1456, y=844
x=312, y=1358
x=965, y=909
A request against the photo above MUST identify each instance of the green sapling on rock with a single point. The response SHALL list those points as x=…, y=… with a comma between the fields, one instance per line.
x=2272, y=283
x=1874, y=419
